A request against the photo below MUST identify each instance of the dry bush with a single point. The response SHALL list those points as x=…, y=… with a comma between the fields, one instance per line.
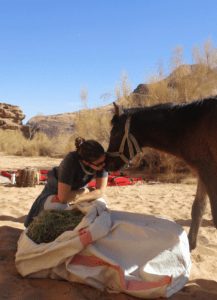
x=123, y=91
x=70, y=144
x=11, y=141
x=14, y=143
x=39, y=116
x=91, y=124
x=95, y=123
x=186, y=83
x=43, y=146
x=159, y=92
x=156, y=161
x=158, y=165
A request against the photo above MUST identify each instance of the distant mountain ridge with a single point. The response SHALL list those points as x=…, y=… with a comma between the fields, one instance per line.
x=61, y=124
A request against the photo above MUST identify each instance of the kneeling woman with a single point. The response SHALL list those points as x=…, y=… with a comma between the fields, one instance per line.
x=69, y=180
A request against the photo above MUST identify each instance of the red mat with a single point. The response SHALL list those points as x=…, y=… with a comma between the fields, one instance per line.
x=114, y=178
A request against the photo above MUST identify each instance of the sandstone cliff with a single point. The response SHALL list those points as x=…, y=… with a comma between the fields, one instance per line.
x=11, y=118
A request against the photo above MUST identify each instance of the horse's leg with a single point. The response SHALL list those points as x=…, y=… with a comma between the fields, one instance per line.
x=209, y=179
x=207, y=183
x=197, y=212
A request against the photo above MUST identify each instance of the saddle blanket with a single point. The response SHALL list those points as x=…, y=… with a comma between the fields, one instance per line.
x=141, y=255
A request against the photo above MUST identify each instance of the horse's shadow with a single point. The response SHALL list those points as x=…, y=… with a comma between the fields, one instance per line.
x=198, y=289
x=187, y=223
x=12, y=219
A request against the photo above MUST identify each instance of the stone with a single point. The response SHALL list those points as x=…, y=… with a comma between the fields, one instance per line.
x=11, y=117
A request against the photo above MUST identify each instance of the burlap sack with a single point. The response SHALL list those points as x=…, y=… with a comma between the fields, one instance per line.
x=28, y=177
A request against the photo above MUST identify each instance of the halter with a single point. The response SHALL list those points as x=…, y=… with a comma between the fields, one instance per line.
x=130, y=141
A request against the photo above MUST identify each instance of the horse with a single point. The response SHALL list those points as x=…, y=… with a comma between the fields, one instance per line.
x=185, y=130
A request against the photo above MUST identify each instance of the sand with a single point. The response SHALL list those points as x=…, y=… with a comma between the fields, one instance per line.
x=172, y=201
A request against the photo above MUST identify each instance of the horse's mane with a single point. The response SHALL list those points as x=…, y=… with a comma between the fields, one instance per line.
x=184, y=111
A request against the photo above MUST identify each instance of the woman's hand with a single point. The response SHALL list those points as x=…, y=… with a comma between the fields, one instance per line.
x=55, y=199
x=91, y=189
x=94, y=193
x=66, y=195
x=85, y=191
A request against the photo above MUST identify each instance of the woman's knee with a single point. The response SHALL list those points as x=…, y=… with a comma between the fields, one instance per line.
x=55, y=205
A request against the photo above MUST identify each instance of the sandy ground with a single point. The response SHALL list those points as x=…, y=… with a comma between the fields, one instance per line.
x=172, y=201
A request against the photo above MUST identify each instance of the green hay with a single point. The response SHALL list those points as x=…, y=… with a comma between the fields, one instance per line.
x=50, y=224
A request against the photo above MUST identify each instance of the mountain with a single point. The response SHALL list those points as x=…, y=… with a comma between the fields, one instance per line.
x=61, y=124
x=11, y=118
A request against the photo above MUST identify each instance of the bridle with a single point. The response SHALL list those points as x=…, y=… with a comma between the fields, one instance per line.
x=130, y=141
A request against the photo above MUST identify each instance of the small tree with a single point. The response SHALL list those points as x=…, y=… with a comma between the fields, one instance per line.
x=83, y=97
x=123, y=91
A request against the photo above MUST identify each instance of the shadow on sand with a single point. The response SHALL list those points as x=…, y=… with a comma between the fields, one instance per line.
x=14, y=286
x=12, y=219
x=187, y=223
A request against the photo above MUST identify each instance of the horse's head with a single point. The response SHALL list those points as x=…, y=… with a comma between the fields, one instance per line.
x=114, y=162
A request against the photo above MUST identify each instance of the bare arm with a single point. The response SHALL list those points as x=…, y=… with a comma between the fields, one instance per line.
x=66, y=195
x=99, y=192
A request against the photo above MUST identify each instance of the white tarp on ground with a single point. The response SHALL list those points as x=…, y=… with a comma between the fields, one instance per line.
x=141, y=255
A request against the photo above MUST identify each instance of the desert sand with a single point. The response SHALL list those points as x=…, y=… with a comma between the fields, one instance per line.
x=171, y=201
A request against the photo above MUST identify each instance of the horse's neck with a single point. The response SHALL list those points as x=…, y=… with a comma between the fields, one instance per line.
x=158, y=132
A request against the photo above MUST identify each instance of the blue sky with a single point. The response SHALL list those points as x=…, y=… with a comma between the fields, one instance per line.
x=50, y=49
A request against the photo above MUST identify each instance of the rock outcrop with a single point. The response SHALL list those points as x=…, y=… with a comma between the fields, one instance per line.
x=63, y=124
x=54, y=125
x=11, y=118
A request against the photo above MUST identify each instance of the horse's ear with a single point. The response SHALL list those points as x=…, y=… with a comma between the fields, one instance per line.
x=119, y=109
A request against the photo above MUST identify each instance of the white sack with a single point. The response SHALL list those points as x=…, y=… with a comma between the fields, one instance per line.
x=141, y=255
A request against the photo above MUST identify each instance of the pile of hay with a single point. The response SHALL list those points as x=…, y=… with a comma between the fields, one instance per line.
x=50, y=224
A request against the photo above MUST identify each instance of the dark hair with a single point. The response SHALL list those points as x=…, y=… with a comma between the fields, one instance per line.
x=89, y=150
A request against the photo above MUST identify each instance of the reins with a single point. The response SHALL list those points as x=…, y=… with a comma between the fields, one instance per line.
x=130, y=141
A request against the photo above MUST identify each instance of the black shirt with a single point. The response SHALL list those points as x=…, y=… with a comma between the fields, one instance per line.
x=69, y=172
